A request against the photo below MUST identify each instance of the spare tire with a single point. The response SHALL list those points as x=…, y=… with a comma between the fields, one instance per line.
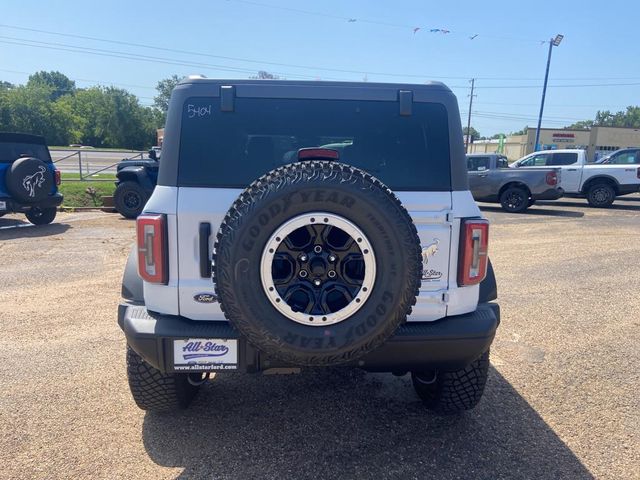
x=29, y=180
x=317, y=263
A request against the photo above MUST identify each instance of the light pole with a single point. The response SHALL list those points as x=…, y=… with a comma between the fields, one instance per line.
x=554, y=42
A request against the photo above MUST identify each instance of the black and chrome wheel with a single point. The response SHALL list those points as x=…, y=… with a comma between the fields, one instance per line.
x=318, y=269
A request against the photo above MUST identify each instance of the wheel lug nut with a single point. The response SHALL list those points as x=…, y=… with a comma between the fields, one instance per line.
x=332, y=258
x=331, y=273
x=317, y=282
x=317, y=249
x=303, y=258
x=303, y=273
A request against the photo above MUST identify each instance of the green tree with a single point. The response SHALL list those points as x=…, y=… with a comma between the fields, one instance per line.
x=110, y=117
x=264, y=75
x=59, y=83
x=473, y=132
x=6, y=85
x=164, y=89
x=624, y=118
x=29, y=109
x=521, y=132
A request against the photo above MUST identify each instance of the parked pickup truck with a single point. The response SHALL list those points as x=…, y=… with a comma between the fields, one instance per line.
x=599, y=183
x=491, y=180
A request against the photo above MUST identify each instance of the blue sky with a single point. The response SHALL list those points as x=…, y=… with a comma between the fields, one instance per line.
x=347, y=40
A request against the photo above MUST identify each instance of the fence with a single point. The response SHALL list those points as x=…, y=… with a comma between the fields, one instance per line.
x=82, y=162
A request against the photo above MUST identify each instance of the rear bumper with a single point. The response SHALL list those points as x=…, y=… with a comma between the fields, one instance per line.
x=447, y=344
x=13, y=206
x=550, y=194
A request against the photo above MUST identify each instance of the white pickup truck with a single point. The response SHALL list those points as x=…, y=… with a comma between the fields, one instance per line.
x=599, y=183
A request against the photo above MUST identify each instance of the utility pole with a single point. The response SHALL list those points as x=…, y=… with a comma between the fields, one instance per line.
x=554, y=42
x=466, y=141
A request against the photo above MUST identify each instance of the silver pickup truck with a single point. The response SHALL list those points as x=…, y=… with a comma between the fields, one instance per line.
x=491, y=180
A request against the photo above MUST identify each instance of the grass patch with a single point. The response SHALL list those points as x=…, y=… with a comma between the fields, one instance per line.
x=84, y=194
x=97, y=176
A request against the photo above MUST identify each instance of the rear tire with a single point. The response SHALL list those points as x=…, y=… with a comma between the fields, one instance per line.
x=514, y=200
x=41, y=216
x=156, y=391
x=449, y=393
x=129, y=199
x=601, y=195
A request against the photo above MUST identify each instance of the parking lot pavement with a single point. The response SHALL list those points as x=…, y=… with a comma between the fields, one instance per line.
x=561, y=401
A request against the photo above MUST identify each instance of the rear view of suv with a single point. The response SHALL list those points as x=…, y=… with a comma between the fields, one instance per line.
x=28, y=179
x=310, y=224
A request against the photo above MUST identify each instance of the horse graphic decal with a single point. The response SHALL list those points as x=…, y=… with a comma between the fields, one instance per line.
x=30, y=182
x=427, y=252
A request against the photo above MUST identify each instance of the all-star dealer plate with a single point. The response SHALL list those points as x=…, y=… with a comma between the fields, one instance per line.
x=205, y=354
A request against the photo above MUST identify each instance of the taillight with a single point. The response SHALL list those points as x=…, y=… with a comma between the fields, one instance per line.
x=552, y=178
x=152, y=248
x=474, y=243
x=56, y=174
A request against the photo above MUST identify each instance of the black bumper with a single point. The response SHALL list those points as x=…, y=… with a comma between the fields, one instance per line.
x=447, y=344
x=14, y=206
x=550, y=194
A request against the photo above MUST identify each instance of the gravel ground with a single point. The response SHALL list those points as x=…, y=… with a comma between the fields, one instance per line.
x=562, y=399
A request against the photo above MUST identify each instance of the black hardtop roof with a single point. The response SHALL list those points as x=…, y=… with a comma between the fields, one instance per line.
x=7, y=137
x=431, y=85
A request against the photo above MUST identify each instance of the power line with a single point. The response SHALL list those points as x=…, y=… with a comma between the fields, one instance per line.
x=133, y=56
x=238, y=59
x=413, y=27
x=100, y=82
x=282, y=64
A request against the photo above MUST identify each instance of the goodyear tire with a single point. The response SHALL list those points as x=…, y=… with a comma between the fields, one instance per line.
x=450, y=393
x=156, y=391
x=317, y=263
x=29, y=180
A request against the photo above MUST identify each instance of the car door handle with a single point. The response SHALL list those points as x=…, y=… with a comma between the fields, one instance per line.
x=482, y=176
x=572, y=169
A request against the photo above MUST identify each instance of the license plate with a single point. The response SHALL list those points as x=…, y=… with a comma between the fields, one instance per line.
x=3, y=205
x=205, y=354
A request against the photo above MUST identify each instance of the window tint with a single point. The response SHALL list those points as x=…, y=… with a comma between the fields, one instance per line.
x=10, y=151
x=232, y=149
x=565, y=158
x=625, y=158
x=536, y=160
x=478, y=164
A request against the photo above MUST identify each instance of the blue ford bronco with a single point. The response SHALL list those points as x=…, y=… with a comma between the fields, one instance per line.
x=28, y=178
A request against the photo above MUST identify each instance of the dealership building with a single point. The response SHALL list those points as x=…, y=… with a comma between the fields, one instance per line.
x=597, y=141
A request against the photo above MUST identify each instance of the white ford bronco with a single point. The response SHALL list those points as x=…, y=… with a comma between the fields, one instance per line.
x=310, y=224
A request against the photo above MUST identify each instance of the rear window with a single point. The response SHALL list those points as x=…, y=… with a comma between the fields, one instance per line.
x=11, y=151
x=232, y=149
x=564, y=159
x=477, y=164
